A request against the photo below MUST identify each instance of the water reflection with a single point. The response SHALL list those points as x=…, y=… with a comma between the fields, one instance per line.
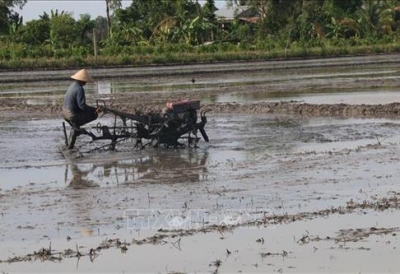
x=79, y=178
x=371, y=96
x=42, y=102
x=104, y=87
x=314, y=85
x=163, y=167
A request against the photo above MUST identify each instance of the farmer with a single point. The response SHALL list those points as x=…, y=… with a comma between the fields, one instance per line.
x=75, y=110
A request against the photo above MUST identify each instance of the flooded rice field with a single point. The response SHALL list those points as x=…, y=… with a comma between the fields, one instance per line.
x=283, y=185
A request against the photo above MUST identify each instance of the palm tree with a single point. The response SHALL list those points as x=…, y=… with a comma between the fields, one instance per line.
x=375, y=17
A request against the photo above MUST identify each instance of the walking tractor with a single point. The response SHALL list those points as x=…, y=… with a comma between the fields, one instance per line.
x=176, y=126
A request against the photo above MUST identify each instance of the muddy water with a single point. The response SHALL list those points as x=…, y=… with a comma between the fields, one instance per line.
x=360, y=80
x=277, y=164
x=256, y=249
x=355, y=97
x=255, y=167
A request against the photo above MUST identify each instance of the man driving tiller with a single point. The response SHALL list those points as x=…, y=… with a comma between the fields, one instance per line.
x=75, y=110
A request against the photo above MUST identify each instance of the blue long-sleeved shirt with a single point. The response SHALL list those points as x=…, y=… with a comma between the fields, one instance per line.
x=75, y=99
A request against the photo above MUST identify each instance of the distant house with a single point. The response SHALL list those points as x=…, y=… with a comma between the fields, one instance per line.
x=243, y=14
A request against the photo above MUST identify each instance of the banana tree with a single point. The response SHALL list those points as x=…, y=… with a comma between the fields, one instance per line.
x=165, y=30
x=196, y=31
x=375, y=17
x=10, y=20
x=62, y=33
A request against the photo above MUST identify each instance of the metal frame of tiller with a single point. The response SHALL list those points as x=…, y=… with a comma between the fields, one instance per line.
x=177, y=121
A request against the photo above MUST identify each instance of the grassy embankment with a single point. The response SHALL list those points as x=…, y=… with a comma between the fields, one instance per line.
x=203, y=54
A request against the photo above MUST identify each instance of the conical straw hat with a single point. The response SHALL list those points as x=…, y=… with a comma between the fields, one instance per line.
x=82, y=76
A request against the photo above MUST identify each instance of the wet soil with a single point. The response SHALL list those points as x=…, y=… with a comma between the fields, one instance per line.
x=283, y=185
x=39, y=94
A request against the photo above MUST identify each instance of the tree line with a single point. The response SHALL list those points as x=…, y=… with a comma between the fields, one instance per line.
x=164, y=29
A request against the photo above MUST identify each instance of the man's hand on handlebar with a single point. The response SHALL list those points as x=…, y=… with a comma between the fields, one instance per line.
x=99, y=109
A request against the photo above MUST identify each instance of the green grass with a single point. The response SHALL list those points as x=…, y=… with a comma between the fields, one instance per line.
x=215, y=54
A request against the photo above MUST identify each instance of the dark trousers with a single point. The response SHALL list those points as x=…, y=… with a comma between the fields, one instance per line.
x=77, y=119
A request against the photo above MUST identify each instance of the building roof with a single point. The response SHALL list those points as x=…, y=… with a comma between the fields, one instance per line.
x=244, y=13
x=230, y=13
